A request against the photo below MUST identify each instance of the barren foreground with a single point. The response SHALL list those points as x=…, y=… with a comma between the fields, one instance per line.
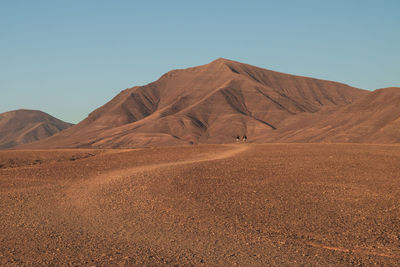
x=242, y=204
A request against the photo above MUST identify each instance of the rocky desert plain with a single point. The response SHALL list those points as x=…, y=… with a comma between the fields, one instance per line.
x=155, y=176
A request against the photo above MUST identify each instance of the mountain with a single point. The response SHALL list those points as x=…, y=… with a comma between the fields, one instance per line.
x=374, y=118
x=212, y=103
x=24, y=126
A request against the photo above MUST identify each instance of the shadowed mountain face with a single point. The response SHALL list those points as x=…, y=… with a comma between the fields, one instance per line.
x=25, y=126
x=216, y=102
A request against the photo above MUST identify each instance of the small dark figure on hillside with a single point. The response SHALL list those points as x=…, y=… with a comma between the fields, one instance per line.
x=244, y=139
x=237, y=139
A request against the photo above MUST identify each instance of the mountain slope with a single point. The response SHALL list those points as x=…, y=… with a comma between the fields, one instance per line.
x=374, y=118
x=25, y=126
x=212, y=103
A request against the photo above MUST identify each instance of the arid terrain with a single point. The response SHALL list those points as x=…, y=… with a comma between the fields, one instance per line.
x=213, y=104
x=233, y=204
x=24, y=126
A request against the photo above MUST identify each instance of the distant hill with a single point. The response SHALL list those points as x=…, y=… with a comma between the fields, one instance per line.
x=24, y=126
x=212, y=103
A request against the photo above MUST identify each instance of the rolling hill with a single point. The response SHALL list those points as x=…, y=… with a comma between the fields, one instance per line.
x=25, y=126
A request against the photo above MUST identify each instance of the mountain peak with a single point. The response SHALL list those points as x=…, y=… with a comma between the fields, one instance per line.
x=220, y=59
x=223, y=61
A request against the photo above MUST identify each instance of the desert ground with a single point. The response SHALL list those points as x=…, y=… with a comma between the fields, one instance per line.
x=239, y=204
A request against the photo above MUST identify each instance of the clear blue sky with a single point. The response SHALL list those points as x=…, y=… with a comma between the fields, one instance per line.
x=69, y=57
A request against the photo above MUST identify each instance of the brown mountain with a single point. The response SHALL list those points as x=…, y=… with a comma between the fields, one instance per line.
x=212, y=103
x=374, y=118
x=25, y=126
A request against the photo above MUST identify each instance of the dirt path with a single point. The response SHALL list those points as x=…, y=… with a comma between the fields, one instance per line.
x=81, y=193
x=364, y=251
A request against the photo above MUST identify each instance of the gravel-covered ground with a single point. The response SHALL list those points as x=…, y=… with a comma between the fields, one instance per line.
x=244, y=204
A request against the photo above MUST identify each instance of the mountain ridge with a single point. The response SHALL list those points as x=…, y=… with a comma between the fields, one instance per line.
x=213, y=103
